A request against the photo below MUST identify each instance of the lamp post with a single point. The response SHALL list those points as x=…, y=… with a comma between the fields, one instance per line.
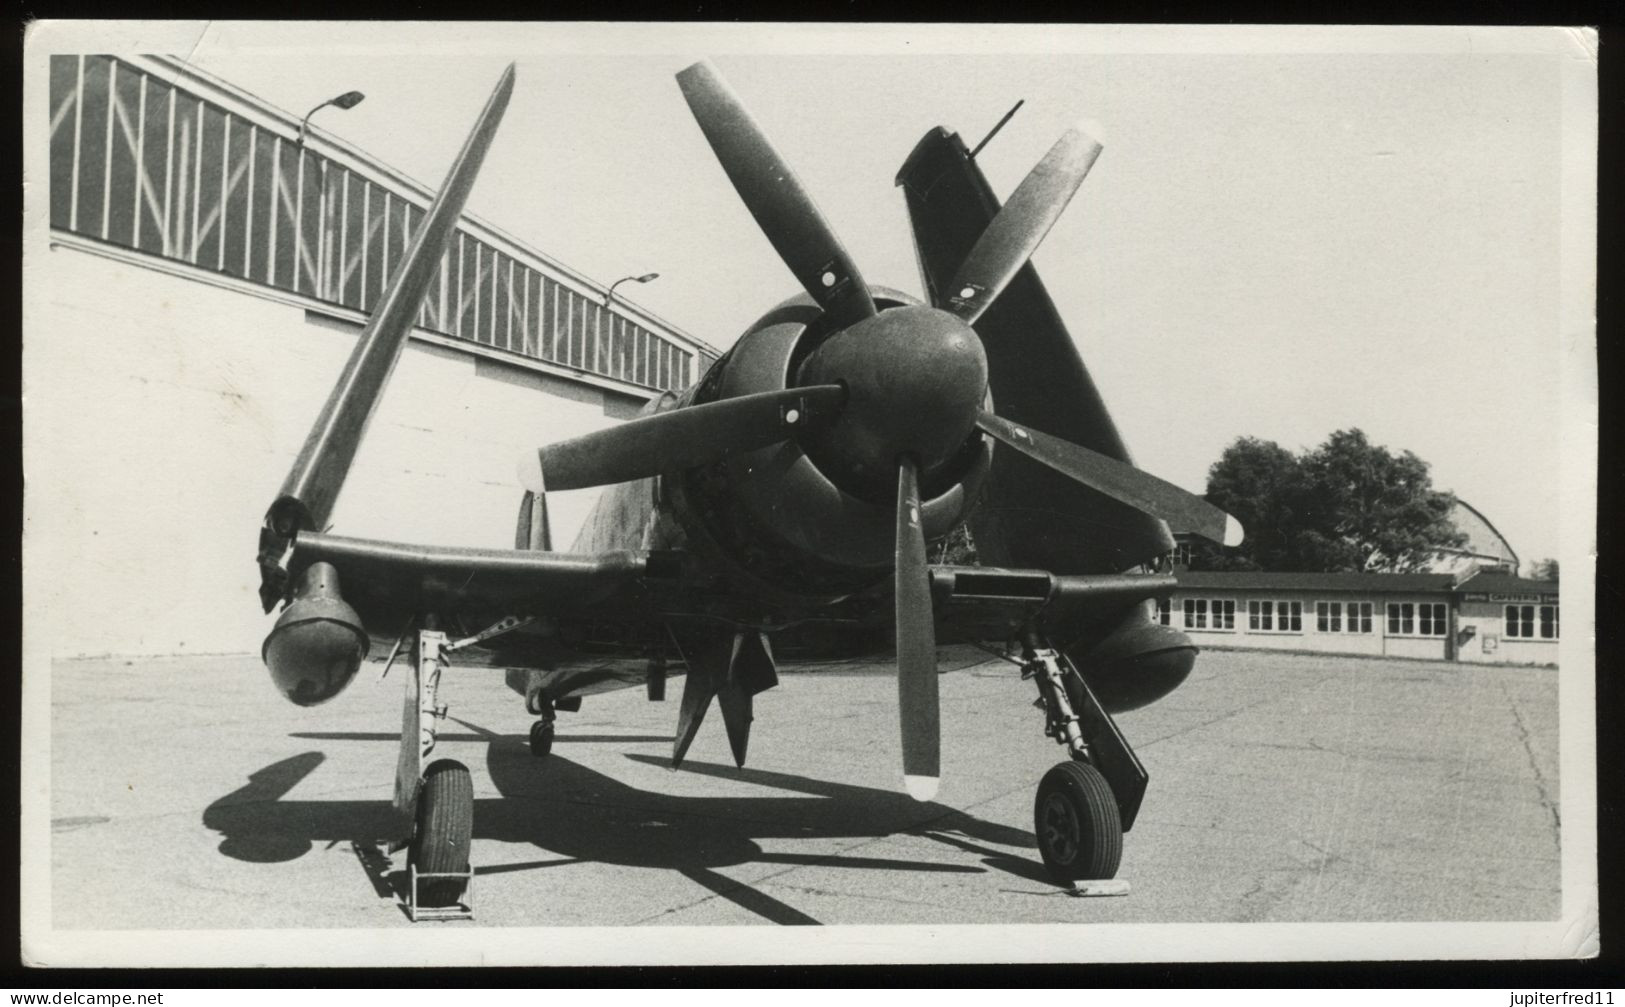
x=349, y=99
x=609, y=294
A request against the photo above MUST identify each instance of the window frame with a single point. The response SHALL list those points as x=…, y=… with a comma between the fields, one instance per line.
x=1328, y=617
x=1275, y=616
x=1362, y=617
x=1401, y=618
x=1197, y=608
x=1260, y=615
x=1512, y=624
x=1433, y=614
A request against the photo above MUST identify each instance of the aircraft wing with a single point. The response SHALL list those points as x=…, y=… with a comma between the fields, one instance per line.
x=387, y=581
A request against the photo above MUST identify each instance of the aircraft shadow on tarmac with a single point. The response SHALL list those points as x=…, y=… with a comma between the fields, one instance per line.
x=578, y=815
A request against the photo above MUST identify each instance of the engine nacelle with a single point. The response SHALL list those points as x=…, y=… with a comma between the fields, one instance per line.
x=318, y=642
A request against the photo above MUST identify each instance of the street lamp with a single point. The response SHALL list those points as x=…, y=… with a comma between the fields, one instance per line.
x=349, y=99
x=609, y=294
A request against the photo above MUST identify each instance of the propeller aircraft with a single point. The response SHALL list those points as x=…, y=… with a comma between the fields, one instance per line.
x=780, y=507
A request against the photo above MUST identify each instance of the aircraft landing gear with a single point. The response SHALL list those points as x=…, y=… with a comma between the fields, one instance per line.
x=541, y=732
x=1083, y=806
x=541, y=736
x=438, y=856
x=437, y=800
x=1075, y=818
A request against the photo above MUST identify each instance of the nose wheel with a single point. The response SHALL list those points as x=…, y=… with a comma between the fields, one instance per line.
x=1080, y=834
x=1084, y=805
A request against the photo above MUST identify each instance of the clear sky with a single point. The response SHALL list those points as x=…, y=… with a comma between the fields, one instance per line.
x=1275, y=244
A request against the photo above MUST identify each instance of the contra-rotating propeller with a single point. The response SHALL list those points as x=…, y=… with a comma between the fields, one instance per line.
x=892, y=395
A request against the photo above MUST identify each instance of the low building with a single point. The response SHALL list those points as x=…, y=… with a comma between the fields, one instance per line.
x=1484, y=617
x=1504, y=619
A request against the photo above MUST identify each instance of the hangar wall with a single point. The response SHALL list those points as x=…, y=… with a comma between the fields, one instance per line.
x=162, y=414
x=206, y=272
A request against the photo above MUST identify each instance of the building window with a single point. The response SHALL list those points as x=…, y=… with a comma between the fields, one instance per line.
x=1182, y=554
x=1432, y=619
x=1401, y=619
x=1291, y=616
x=1224, y=613
x=1196, y=613
x=1359, y=617
x=1275, y=616
x=1521, y=620
x=1164, y=611
x=1425, y=619
x=1261, y=616
x=1329, y=616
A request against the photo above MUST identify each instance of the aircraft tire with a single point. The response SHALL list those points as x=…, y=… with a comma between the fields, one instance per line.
x=1079, y=830
x=445, y=831
x=541, y=739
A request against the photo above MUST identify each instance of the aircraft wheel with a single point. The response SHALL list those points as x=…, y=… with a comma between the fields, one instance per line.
x=541, y=738
x=1080, y=834
x=445, y=830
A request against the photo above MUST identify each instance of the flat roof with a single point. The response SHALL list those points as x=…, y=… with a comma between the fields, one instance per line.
x=1361, y=583
x=1501, y=583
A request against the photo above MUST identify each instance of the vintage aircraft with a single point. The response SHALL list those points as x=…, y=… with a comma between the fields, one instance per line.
x=779, y=507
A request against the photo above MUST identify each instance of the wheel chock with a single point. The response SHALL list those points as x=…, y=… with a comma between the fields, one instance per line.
x=463, y=910
x=1098, y=889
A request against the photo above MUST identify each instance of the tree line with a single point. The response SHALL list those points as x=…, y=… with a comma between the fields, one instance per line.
x=1345, y=506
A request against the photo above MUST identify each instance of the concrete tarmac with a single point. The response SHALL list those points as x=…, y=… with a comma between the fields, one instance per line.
x=186, y=793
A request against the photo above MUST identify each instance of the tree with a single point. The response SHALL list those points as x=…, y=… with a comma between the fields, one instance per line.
x=1255, y=482
x=1545, y=569
x=1346, y=506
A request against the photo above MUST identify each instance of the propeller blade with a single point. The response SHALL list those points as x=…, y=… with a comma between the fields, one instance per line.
x=774, y=196
x=313, y=485
x=678, y=439
x=1013, y=235
x=916, y=644
x=1118, y=480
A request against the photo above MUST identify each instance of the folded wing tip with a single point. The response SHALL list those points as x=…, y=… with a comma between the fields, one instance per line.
x=1233, y=531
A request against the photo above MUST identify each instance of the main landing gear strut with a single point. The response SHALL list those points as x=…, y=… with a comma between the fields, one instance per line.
x=1083, y=805
x=437, y=799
